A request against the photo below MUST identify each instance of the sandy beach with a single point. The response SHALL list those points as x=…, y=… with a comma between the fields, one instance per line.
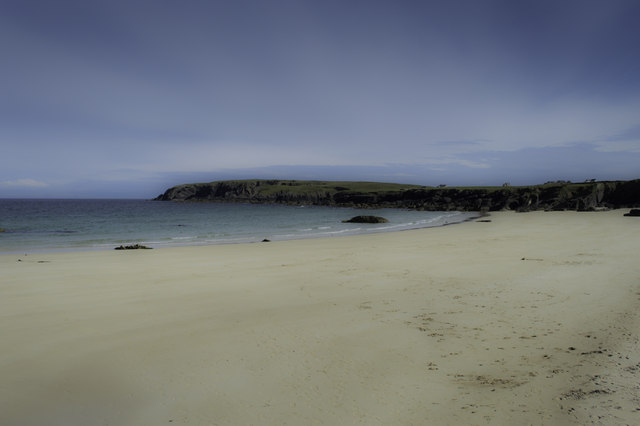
x=527, y=319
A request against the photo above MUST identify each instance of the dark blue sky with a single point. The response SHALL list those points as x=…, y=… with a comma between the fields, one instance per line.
x=124, y=98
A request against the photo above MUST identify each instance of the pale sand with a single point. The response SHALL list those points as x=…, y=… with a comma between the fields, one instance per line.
x=434, y=326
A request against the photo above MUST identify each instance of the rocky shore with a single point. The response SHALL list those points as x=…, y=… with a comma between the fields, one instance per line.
x=587, y=196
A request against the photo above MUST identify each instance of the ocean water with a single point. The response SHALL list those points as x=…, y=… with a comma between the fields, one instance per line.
x=72, y=225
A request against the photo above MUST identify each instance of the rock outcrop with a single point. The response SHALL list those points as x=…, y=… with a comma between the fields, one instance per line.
x=133, y=247
x=366, y=219
x=587, y=196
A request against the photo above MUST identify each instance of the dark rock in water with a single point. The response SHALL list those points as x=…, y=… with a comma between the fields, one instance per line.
x=366, y=219
x=133, y=247
x=633, y=212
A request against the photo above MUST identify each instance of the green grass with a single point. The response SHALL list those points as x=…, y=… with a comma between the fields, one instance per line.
x=269, y=187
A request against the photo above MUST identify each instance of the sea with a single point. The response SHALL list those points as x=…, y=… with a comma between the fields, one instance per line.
x=40, y=226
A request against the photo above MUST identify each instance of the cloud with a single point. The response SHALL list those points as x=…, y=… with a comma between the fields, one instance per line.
x=113, y=96
x=212, y=156
x=462, y=143
x=627, y=140
x=632, y=133
x=28, y=183
x=457, y=161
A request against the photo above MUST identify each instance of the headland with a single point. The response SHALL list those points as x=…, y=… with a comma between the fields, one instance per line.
x=585, y=196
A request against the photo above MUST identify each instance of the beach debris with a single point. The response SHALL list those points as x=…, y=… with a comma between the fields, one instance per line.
x=36, y=261
x=133, y=247
x=530, y=258
x=599, y=351
x=366, y=219
x=580, y=394
x=484, y=220
x=633, y=212
x=266, y=240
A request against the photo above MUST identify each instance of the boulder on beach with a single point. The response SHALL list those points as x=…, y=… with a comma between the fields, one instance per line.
x=366, y=219
x=633, y=212
x=133, y=247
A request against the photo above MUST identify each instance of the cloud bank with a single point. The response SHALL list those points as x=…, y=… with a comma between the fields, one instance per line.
x=118, y=94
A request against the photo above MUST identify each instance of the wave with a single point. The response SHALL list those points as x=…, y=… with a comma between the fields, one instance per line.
x=85, y=225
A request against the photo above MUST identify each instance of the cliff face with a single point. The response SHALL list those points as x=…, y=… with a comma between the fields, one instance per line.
x=564, y=196
x=553, y=196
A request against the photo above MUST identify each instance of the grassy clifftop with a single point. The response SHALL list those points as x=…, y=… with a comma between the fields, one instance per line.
x=551, y=196
x=294, y=191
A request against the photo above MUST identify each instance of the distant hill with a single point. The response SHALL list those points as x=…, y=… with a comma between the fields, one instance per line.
x=584, y=196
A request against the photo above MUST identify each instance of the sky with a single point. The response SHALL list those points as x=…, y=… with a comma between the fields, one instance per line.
x=125, y=98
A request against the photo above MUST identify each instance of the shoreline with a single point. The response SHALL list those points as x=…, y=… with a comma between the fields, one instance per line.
x=246, y=240
x=528, y=319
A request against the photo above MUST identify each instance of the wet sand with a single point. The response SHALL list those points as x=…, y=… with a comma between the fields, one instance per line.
x=528, y=319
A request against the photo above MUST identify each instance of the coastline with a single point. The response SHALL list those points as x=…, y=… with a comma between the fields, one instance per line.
x=104, y=226
x=590, y=195
x=530, y=318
